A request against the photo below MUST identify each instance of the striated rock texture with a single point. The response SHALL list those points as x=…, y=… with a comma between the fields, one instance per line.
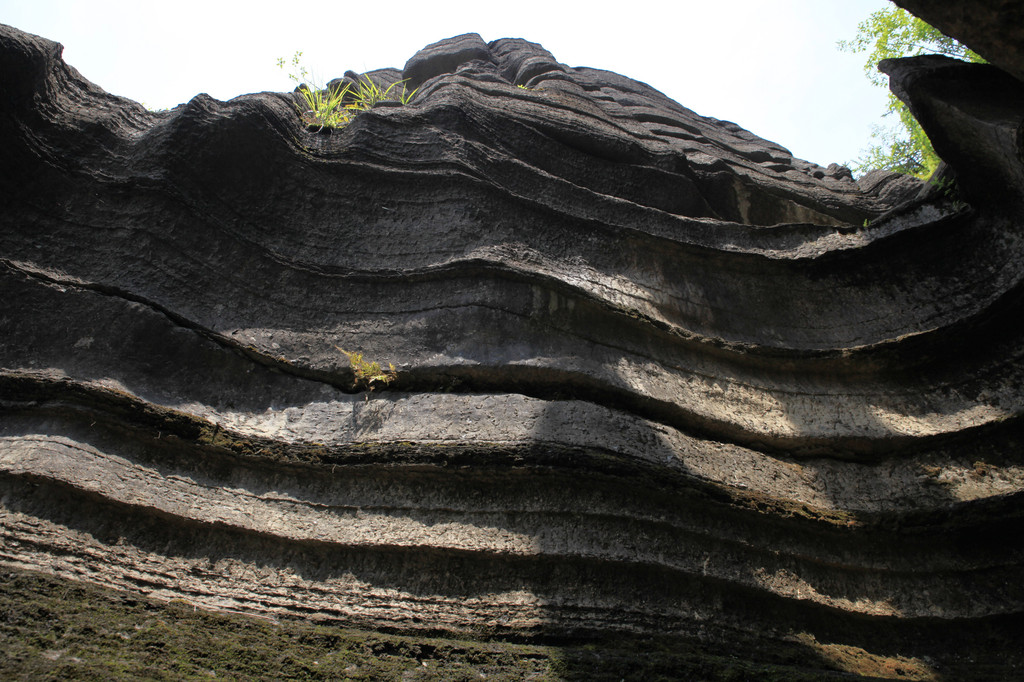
x=654, y=373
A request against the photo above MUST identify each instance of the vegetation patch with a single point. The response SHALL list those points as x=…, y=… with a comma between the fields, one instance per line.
x=891, y=33
x=369, y=375
x=335, y=106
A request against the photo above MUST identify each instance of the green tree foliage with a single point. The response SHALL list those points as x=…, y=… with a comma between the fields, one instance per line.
x=886, y=34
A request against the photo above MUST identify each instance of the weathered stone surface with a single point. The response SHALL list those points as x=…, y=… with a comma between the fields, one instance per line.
x=992, y=28
x=444, y=57
x=974, y=115
x=653, y=371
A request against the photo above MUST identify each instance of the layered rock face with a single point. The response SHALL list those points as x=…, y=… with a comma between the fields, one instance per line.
x=654, y=373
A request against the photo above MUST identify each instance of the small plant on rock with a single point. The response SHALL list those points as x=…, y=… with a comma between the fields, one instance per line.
x=323, y=107
x=949, y=189
x=369, y=373
x=366, y=93
x=336, y=106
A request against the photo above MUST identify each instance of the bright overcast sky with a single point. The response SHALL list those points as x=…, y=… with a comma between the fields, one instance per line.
x=771, y=67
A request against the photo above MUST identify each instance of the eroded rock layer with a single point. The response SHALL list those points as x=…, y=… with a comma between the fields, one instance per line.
x=653, y=372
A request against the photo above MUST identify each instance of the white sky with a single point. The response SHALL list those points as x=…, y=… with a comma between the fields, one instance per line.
x=771, y=67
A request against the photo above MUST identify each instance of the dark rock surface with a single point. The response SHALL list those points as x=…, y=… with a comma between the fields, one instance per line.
x=992, y=28
x=654, y=373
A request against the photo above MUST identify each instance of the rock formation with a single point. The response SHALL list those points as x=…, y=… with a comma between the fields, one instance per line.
x=654, y=373
x=992, y=28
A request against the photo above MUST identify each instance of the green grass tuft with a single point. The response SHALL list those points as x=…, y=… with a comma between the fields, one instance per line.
x=335, y=107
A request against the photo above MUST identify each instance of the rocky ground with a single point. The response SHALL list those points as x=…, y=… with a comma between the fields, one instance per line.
x=65, y=629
